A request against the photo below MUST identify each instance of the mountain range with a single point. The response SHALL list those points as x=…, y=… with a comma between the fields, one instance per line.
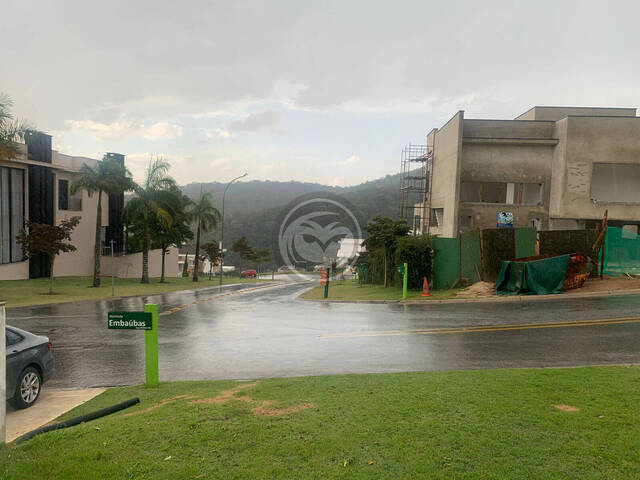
x=252, y=208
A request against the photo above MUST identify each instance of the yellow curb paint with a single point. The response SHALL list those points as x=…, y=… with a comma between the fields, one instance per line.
x=491, y=328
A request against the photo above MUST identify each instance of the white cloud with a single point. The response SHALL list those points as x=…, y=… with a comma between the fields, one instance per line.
x=123, y=128
x=217, y=132
x=162, y=131
x=103, y=131
x=267, y=120
x=351, y=160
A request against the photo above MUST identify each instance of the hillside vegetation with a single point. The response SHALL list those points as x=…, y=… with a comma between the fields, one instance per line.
x=252, y=208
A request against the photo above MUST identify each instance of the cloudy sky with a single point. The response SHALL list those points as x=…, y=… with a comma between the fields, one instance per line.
x=326, y=91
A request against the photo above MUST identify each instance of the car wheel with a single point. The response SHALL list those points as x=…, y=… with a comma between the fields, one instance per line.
x=28, y=388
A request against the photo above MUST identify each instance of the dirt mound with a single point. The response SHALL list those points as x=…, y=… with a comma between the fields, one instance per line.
x=478, y=290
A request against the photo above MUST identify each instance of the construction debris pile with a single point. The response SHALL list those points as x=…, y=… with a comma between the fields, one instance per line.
x=478, y=290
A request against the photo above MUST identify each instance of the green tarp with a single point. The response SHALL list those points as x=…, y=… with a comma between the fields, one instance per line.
x=539, y=277
x=621, y=252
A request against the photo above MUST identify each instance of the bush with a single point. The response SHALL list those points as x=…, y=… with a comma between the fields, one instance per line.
x=417, y=252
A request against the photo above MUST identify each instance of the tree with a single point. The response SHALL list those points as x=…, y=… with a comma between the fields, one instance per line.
x=154, y=201
x=206, y=217
x=12, y=131
x=110, y=177
x=383, y=233
x=212, y=252
x=49, y=239
x=242, y=248
x=176, y=233
x=261, y=255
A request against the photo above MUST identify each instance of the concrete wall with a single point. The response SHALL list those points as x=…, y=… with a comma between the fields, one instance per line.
x=584, y=141
x=79, y=262
x=447, y=151
x=14, y=271
x=558, y=113
x=130, y=266
x=508, y=129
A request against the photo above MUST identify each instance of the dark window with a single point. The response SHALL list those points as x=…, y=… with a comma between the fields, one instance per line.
x=63, y=194
x=13, y=337
x=436, y=219
x=11, y=213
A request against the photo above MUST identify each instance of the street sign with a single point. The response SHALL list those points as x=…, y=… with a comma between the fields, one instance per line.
x=148, y=321
x=129, y=321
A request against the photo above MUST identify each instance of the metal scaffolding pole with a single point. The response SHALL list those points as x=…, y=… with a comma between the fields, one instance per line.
x=415, y=170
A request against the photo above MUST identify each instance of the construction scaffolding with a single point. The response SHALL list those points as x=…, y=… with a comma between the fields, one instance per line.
x=415, y=169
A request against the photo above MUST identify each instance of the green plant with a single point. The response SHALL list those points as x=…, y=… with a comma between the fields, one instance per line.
x=382, y=235
x=108, y=176
x=206, y=217
x=155, y=201
x=12, y=131
x=417, y=252
x=48, y=239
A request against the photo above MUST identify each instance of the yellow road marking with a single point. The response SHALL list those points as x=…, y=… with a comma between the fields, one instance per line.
x=488, y=328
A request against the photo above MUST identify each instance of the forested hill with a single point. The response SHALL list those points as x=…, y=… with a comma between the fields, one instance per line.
x=251, y=208
x=380, y=196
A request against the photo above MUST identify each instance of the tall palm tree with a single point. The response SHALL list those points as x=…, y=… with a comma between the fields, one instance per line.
x=11, y=131
x=155, y=200
x=110, y=177
x=206, y=217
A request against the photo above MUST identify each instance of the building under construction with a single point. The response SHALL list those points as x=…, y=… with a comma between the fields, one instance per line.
x=415, y=169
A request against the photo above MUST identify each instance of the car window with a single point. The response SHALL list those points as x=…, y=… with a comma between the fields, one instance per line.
x=13, y=337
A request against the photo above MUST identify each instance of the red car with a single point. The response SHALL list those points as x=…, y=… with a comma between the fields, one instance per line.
x=249, y=274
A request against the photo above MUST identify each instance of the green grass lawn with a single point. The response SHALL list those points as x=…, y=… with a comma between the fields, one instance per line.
x=495, y=424
x=69, y=289
x=350, y=290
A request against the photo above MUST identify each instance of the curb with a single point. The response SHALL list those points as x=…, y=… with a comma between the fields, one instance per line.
x=119, y=297
x=493, y=299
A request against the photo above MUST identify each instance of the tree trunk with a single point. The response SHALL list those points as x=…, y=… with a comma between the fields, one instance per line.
x=98, y=242
x=185, y=266
x=385, y=269
x=195, y=261
x=52, y=259
x=145, y=256
x=164, y=252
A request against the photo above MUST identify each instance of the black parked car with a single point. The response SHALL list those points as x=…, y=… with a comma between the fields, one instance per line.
x=29, y=365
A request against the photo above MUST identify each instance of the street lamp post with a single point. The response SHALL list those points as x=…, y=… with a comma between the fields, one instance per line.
x=222, y=225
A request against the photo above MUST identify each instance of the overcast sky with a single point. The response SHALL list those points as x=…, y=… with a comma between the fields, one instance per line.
x=301, y=90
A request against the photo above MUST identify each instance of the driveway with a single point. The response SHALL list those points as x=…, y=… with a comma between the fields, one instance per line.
x=250, y=331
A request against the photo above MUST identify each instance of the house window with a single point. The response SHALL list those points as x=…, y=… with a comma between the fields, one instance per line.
x=436, y=219
x=615, y=183
x=63, y=194
x=501, y=192
x=11, y=213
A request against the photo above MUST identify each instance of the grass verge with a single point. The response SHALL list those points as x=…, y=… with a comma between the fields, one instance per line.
x=19, y=293
x=494, y=424
x=350, y=290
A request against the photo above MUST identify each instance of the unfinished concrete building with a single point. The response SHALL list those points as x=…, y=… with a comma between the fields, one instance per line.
x=552, y=168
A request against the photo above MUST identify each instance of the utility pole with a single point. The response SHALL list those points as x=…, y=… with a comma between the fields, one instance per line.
x=224, y=194
x=113, y=266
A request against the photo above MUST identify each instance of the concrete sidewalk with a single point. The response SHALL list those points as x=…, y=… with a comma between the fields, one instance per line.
x=51, y=404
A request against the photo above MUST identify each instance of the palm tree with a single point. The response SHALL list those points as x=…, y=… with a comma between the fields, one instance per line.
x=110, y=177
x=206, y=217
x=155, y=200
x=11, y=131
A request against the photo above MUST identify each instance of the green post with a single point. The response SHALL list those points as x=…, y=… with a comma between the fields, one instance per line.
x=404, y=280
x=326, y=285
x=151, y=347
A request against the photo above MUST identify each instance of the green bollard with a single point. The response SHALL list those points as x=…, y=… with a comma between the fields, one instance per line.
x=151, y=347
x=404, y=280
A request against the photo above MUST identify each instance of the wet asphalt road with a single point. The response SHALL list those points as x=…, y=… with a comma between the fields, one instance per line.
x=263, y=331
